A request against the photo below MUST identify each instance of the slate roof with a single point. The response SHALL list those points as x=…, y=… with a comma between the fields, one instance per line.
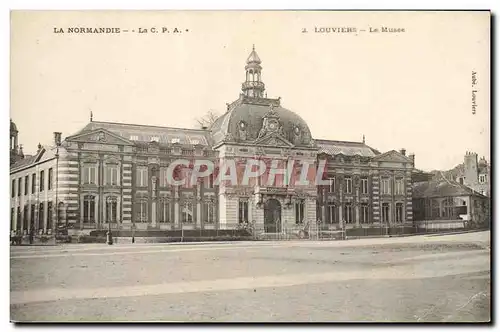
x=441, y=188
x=346, y=148
x=43, y=154
x=146, y=133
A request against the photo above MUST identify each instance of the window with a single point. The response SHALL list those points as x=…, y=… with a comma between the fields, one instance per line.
x=111, y=209
x=141, y=211
x=399, y=212
x=111, y=174
x=364, y=185
x=13, y=188
x=385, y=186
x=42, y=181
x=175, y=140
x=332, y=213
x=348, y=185
x=208, y=212
x=25, y=217
x=49, y=215
x=89, y=209
x=134, y=137
x=163, y=177
x=49, y=185
x=195, y=142
x=19, y=186
x=385, y=212
x=12, y=211
x=41, y=215
x=299, y=212
x=399, y=187
x=331, y=186
x=364, y=213
x=89, y=174
x=18, y=224
x=142, y=176
x=33, y=183
x=164, y=211
x=348, y=213
x=243, y=211
x=210, y=181
x=461, y=180
x=482, y=178
x=32, y=214
x=155, y=139
x=187, y=212
x=26, y=184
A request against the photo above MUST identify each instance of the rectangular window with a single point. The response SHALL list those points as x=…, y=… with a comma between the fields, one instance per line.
x=42, y=181
x=134, y=137
x=89, y=209
x=187, y=212
x=364, y=213
x=299, y=212
x=482, y=178
x=332, y=213
x=348, y=213
x=49, y=185
x=49, y=215
x=25, y=218
x=399, y=187
x=19, y=186
x=111, y=175
x=243, y=211
x=385, y=186
x=385, y=212
x=33, y=183
x=210, y=181
x=141, y=211
x=26, y=184
x=111, y=209
x=348, y=185
x=331, y=186
x=142, y=176
x=32, y=214
x=461, y=180
x=399, y=212
x=89, y=174
x=364, y=185
x=19, y=224
x=41, y=215
x=208, y=212
x=164, y=211
x=163, y=177
x=13, y=188
x=12, y=211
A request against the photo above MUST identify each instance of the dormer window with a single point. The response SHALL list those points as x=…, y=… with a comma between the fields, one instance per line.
x=155, y=139
x=175, y=140
x=195, y=141
x=134, y=137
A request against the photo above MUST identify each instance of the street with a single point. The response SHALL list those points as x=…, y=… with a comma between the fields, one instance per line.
x=413, y=279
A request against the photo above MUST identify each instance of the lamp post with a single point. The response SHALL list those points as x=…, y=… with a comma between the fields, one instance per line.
x=109, y=235
x=57, y=141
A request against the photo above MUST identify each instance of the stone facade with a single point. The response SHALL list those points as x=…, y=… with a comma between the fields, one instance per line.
x=114, y=174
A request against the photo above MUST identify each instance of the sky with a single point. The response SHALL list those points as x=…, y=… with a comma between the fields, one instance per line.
x=410, y=89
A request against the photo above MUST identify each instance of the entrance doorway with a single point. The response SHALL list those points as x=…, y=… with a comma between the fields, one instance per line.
x=272, y=216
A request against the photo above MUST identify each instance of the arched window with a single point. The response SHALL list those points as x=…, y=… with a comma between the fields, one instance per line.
x=141, y=210
x=89, y=209
x=111, y=209
x=331, y=213
x=299, y=211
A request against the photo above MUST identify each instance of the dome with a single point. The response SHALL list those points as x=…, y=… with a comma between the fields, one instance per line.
x=250, y=120
x=13, y=127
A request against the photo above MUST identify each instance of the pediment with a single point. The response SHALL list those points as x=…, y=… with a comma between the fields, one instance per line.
x=101, y=136
x=392, y=156
x=273, y=140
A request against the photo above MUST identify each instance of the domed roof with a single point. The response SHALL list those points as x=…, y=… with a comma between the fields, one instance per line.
x=253, y=57
x=13, y=126
x=251, y=120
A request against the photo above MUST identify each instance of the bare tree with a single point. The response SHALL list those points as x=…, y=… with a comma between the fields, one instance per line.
x=208, y=119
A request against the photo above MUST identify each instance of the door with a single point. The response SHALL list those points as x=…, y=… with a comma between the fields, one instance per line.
x=272, y=216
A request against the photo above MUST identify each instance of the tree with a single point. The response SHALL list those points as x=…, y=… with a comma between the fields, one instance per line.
x=208, y=119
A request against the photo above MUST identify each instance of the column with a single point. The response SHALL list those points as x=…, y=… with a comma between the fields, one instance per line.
x=198, y=206
x=176, y=206
x=375, y=197
x=356, y=203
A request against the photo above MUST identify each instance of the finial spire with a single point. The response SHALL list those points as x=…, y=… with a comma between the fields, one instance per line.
x=363, y=138
x=91, y=116
x=253, y=47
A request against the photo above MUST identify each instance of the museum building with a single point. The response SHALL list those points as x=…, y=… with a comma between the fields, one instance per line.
x=114, y=175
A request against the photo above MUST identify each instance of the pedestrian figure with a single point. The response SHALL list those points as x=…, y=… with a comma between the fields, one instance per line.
x=31, y=235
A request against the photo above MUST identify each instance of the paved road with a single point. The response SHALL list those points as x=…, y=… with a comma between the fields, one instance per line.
x=424, y=278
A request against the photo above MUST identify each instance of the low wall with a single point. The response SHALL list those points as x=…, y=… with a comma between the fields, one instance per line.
x=440, y=224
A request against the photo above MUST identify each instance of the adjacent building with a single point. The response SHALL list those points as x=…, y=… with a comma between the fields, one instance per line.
x=115, y=174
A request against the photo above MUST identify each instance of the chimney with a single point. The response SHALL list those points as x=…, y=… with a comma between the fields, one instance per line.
x=39, y=148
x=412, y=157
x=21, y=154
x=57, y=138
x=403, y=151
